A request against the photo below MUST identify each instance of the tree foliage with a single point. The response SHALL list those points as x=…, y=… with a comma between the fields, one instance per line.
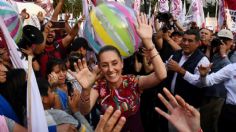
x=75, y=7
x=71, y=6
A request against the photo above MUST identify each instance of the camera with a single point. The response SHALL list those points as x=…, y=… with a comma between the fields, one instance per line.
x=164, y=16
x=73, y=58
x=166, y=27
x=216, y=42
x=59, y=24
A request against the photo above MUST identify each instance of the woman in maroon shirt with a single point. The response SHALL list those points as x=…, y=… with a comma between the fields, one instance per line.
x=120, y=91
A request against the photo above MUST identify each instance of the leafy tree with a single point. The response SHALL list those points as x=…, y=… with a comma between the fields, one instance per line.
x=71, y=6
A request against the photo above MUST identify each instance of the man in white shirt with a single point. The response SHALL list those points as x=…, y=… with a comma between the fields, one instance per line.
x=228, y=76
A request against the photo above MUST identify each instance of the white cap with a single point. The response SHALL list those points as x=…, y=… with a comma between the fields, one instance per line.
x=225, y=33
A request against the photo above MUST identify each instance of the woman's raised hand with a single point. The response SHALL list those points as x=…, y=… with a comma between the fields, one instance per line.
x=83, y=75
x=144, y=28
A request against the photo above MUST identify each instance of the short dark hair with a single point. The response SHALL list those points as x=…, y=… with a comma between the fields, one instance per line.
x=52, y=63
x=108, y=48
x=78, y=43
x=194, y=32
x=43, y=86
x=177, y=33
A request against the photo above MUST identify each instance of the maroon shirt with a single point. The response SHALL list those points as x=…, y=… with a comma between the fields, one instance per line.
x=125, y=98
x=50, y=52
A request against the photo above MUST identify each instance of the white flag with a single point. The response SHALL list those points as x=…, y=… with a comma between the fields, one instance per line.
x=176, y=9
x=163, y=6
x=182, y=17
x=137, y=4
x=36, y=119
x=197, y=13
x=221, y=14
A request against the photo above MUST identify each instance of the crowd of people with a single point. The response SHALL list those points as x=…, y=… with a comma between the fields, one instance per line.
x=179, y=80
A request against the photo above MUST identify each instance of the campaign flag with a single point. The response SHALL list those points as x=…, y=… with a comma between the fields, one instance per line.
x=46, y=5
x=196, y=12
x=136, y=5
x=183, y=14
x=176, y=9
x=227, y=11
x=163, y=6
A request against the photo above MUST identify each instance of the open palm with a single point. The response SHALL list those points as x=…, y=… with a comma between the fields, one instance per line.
x=83, y=75
x=144, y=29
x=184, y=117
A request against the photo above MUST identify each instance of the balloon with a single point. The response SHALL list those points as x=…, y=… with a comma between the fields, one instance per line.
x=114, y=24
x=11, y=19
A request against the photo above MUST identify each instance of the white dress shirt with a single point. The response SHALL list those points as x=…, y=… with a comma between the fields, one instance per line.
x=226, y=75
x=204, y=61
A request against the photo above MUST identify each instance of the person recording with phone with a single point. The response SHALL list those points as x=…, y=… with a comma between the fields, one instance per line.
x=168, y=36
x=215, y=95
x=52, y=48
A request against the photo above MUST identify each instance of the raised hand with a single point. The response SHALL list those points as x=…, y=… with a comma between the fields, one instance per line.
x=66, y=128
x=83, y=75
x=28, y=51
x=81, y=19
x=182, y=115
x=204, y=70
x=40, y=16
x=67, y=16
x=74, y=101
x=53, y=79
x=144, y=29
x=110, y=122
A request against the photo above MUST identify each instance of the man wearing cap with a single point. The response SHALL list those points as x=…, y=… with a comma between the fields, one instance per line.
x=215, y=95
x=226, y=75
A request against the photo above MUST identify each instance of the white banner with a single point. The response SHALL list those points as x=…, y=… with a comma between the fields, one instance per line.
x=163, y=6
x=196, y=10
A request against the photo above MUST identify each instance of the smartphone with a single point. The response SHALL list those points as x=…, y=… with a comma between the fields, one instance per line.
x=59, y=24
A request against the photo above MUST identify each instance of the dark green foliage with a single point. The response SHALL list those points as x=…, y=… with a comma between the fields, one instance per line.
x=71, y=6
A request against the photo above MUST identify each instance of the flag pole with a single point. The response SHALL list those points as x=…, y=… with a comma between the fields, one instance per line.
x=216, y=12
x=145, y=6
x=29, y=93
